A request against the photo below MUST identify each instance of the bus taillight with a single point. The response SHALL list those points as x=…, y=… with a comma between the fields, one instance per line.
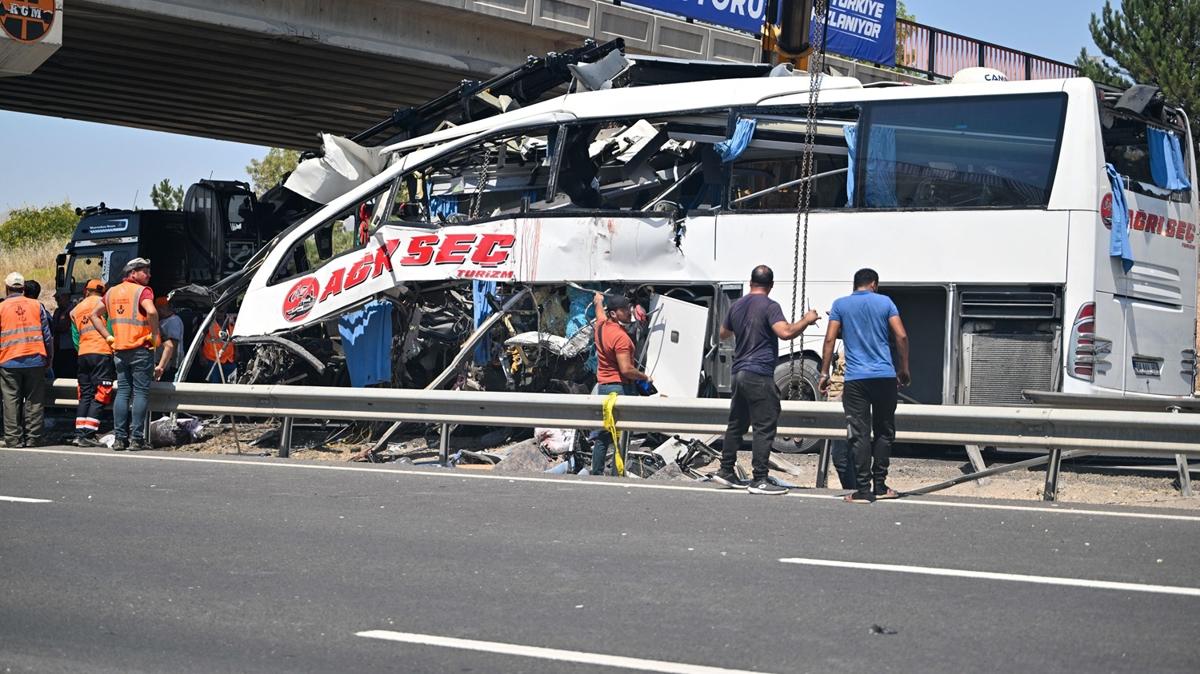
x=1081, y=360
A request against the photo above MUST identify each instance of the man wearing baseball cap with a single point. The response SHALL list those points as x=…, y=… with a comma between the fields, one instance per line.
x=25, y=348
x=615, y=370
x=129, y=307
x=94, y=366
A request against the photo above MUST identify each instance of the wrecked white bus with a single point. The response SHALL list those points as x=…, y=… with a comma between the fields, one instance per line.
x=985, y=207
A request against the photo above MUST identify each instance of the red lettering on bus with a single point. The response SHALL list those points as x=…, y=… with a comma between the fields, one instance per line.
x=420, y=250
x=454, y=249
x=493, y=249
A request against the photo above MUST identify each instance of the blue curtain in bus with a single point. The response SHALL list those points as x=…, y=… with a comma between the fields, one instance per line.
x=367, y=343
x=479, y=292
x=577, y=319
x=1118, y=240
x=733, y=147
x=1166, y=160
x=881, y=168
x=443, y=206
x=851, y=134
x=880, y=185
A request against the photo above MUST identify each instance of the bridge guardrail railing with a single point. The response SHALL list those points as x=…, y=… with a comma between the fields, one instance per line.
x=936, y=53
x=1053, y=429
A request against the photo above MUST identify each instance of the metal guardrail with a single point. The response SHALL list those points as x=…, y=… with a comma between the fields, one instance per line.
x=1057, y=430
x=1034, y=427
x=936, y=53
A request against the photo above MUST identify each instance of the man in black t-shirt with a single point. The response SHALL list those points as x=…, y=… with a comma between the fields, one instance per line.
x=758, y=324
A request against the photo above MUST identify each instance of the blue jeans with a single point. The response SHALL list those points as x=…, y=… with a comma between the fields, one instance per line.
x=135, y=370
x=602, y=439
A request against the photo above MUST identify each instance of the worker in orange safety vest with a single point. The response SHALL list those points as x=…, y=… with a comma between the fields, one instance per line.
x=94, y=369
x=25, y=348
x=129, y=307
x=219, y=352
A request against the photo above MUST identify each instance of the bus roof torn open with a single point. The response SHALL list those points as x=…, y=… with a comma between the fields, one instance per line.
x=985, y=206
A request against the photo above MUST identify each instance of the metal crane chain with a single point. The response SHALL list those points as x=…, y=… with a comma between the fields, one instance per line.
x=816, y=69
x=481, y=182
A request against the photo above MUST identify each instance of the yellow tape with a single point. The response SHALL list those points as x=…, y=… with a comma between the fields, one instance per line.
x=610, y=425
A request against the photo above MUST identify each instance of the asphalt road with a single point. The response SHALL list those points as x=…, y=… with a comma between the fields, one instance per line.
x=163, y=562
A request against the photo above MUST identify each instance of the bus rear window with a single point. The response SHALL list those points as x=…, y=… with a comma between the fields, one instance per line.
x=983, y=152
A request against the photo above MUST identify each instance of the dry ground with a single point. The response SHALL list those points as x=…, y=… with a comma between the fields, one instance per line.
x=34, y=262
x=1076, y=484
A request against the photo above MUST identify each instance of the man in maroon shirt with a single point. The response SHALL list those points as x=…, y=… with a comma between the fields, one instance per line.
x=615, y=370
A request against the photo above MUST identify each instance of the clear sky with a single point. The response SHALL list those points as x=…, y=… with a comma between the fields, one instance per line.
x=87, y=163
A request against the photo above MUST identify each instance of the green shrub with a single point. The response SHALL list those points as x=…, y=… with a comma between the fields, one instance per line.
x=28, y=226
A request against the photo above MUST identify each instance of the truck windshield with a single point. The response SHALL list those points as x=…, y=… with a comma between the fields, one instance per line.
x=960, y=153
x=85, y=267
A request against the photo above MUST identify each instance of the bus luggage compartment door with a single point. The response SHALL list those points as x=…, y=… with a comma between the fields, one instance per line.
x=924, y=313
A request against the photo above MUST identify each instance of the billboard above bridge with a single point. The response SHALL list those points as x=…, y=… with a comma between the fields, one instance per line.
x=746, y=15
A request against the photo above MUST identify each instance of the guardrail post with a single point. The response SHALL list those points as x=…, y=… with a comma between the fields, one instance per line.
x=444, y=445
x=1181, y=463
x=285, y=438
x=981, y=59
x=1050, y=492
x=823, y=464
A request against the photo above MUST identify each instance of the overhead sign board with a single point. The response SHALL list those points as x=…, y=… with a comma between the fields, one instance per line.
x=747, y=15
x=861, y=29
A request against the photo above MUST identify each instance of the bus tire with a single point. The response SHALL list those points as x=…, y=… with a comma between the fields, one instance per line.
x=798, y=385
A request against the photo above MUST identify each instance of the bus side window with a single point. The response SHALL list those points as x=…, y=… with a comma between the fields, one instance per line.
x=767, y=175
x=341, y=234
x=979, y=152
x=1127, y=148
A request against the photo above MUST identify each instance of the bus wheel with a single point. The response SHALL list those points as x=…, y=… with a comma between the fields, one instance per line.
x=798, y=385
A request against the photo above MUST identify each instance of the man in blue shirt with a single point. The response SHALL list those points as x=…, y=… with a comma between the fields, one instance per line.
x=758, y=324
x=864, y=321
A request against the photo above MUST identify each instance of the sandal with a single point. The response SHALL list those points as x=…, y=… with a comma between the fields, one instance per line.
x=859, y=498
x=889, y=494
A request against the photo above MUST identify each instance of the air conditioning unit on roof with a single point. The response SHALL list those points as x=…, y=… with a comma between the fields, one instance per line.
x=30, y=32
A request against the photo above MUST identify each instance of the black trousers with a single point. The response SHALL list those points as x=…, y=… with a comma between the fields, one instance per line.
x=94, y=370
x=23, y=391
x=755, y=403
x=870, y=406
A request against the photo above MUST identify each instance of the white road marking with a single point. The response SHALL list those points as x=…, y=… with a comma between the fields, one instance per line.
x=19, y=499
x=990, y=575
x=547, y=653
x=626, y=484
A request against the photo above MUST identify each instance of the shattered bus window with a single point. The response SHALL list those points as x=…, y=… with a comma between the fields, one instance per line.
x=767, y=175
x=345, y=232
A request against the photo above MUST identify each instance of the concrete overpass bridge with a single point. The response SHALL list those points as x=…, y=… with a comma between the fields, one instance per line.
x=277, y=72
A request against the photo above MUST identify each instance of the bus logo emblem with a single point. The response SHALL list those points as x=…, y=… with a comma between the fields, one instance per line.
x=301, y=299
x=26, y=20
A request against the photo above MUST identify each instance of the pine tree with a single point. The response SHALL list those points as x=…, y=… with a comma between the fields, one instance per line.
x=166, y=196
x=1149, y=42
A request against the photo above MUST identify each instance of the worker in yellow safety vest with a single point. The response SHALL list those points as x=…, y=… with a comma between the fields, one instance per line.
x=129, y=307
x=25, y=348
x=94, y=369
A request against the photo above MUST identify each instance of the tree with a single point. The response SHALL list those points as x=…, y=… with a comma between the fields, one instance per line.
x=166, y=196
x=272, y=169
x=27, y=226
x=1151, y=42
x=903, y=32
